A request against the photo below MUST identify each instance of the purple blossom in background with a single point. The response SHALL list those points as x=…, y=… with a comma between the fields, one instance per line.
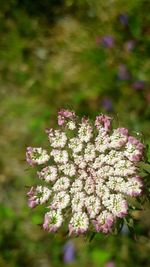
x=107, y=104
x=129, y=45
x=69, y=252
x=123, y=73
x=148, y=97
x=106, y=41
x=110, y=264
x=139, y=85
x=123, y=18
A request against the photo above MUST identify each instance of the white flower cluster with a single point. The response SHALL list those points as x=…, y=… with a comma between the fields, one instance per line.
x=91, y=170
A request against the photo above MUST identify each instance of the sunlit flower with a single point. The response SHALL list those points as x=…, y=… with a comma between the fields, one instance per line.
x=36, y=155
x=90, y=172
x=52, y=221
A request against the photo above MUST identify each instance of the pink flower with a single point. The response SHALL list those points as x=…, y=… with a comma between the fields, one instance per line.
x=91, y=172
x=107, y=41
x=38, y=195
x=36, y=156
x=104, y=222
x=63, y=115
x=103, y=121
x=123, y=131
x=32, y=201
x=135, y=149
x=135, y=186
x=52, y=221
x=124, y=209
x=110, y=264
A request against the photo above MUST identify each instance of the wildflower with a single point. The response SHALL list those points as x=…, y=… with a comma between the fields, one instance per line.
x=79, y=223
x=36, y=155
x=107, y=41
x=61, y=184
x=138, y=85
x=118, y=138
x=48, y=173
x=129, y=45
x=38, y=195
x=123, y=73
x=103, y=122
x=134, y=149
x=107, y=104
x=93, y=206
x=59, y=156
x=68, y=252
x=103, y=222
x=52, y=221
x=64, y=116
x=77, y=186
x=90, y=172
x=123, y=18
x=75, y=144
x=134, y=186
x=60, y=200
x=85, y=131
x=110, y=264
x=68, y=169
x=57, y=138
x=78, y=201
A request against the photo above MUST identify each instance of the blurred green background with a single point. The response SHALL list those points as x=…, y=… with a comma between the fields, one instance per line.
x=91, y=56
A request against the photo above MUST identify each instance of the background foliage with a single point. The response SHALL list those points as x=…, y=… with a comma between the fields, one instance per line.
x=88, y=55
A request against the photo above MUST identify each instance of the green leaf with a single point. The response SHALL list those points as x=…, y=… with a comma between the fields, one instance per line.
x=144, y=166
x=36, y=219
x=92, y=236
x=6, y=212
x=135, y=26
x=100, y=257
x=119, y=225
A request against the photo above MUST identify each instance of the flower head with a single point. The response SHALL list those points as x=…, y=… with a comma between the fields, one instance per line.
x=90, y=171
x=52, y=221
x=36, y=155
x=38, y=195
